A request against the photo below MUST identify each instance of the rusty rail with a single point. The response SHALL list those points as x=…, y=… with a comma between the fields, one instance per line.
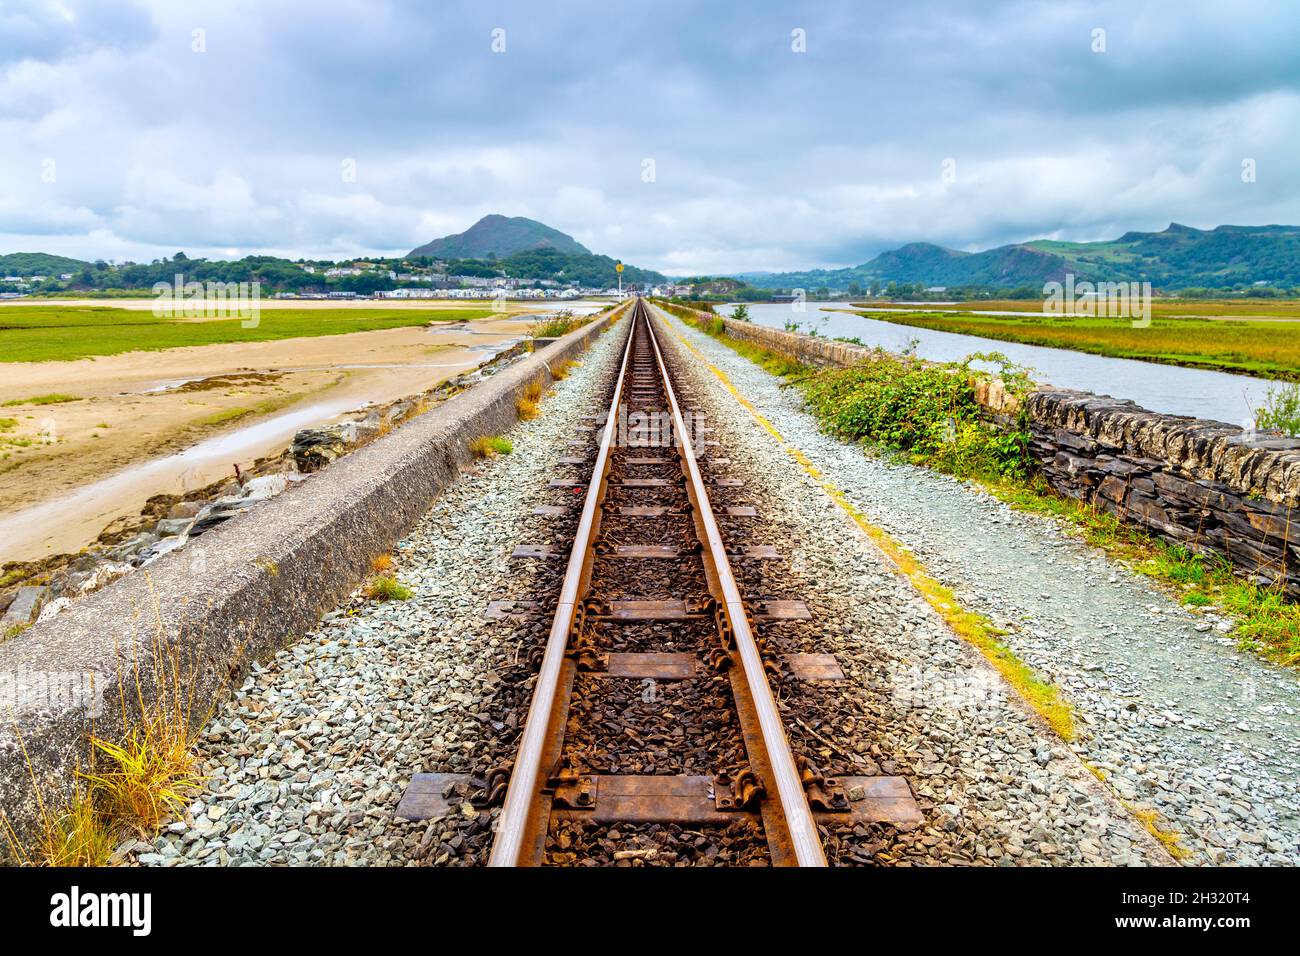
x=515, y=825
x=787, y=817
x=791, y=804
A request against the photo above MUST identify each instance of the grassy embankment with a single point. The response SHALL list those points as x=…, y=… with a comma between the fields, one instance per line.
x=1263, y=348
x=46, y=333
x=929, y=416
x=1287, y=309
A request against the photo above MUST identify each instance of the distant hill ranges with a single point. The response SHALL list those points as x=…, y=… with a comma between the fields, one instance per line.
x=1178, y=257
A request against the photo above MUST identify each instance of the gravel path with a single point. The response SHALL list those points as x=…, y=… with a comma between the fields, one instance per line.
x=1175, y=718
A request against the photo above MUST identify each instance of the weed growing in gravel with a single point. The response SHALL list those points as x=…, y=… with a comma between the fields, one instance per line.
x=381, y=563
x=1151, y=820
x=528, y=405
x=385, y=587
x=560, y=371
x=490, y=447
x=148, y=775
x=133, y=785
x=140, y=780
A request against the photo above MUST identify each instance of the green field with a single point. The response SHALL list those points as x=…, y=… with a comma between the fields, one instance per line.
x=1269, y=349
x=47, y=333
x=1161, y=306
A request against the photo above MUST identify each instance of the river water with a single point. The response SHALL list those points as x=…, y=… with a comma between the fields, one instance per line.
x=1161, y=388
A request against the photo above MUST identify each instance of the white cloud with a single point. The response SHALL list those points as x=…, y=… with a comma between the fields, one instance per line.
x=764, y=159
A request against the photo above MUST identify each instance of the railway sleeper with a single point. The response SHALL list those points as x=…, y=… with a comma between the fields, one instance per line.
x=667, y=798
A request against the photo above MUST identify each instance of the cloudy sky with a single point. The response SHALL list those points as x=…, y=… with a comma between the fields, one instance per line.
x=674, y=135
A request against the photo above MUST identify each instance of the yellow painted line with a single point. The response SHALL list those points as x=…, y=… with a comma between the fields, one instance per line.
x=974, y=628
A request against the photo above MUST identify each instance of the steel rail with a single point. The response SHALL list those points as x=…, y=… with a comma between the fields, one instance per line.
x=521, y=829
x=515, y=824
x=791, y=800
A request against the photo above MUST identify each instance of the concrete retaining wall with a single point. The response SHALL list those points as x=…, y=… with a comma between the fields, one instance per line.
x=1203, y=484
x=196, y=618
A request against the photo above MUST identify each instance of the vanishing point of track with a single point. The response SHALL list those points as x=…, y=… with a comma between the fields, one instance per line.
x=660, y=445
x=653, y=702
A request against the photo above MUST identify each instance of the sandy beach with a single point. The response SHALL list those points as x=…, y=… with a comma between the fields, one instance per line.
x=146, y=423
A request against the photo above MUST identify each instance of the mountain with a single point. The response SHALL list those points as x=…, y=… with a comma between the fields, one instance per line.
x=38, y=264
x=500, y=236
x=1179, y=257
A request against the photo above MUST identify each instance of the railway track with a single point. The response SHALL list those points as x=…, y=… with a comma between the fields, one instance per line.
x=653, y=703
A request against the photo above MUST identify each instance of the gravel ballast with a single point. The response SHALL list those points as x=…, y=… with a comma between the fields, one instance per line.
x=307, y=761
x=1173, y=715
x=994, y=786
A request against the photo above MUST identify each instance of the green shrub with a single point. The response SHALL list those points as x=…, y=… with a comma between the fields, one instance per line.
x=927, y=411
x=562, y=323
x=1281, y=409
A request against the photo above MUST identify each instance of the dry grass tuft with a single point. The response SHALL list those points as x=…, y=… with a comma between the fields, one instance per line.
x=381, y=563
x=148, y=775
x=490, y=446
x=76, y=835
x=385, y=587
x=528, y=405
x=133, y=785
x=1169, y=839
